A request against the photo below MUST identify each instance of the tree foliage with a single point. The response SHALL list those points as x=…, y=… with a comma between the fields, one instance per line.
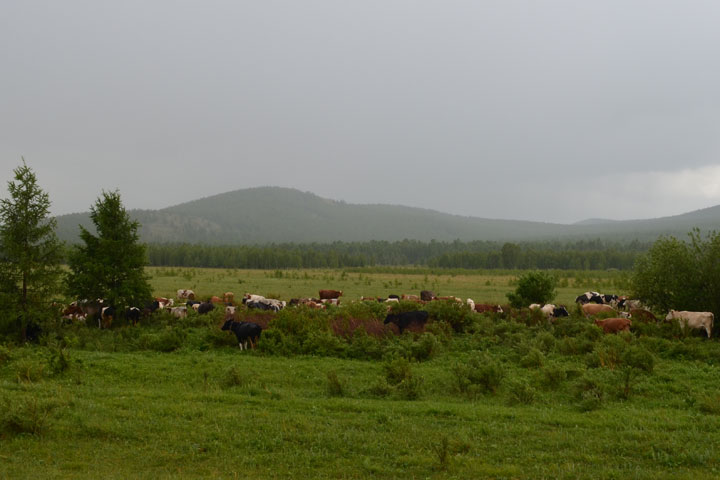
x=30, y=254
x=533, y=287
x=109, y=265
x=680, y=275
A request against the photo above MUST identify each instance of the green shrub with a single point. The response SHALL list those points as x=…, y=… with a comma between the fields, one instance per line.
x=5, y=355
x=410, y=388
x=450, y=312
x=324, y=343
x=545, y=342
x=709, y=404
x=591, y=390
x=533, y=359
x=30, y=370
x=396, y=370
x=426, y=346
x=363, y=346
x=552, y=376
x=27, y=416
x=533, y=287
x=381, y=388
x=521, y=393
x=480, y=373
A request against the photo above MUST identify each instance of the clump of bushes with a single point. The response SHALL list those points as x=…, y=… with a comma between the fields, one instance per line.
x=520, y=392
x=399, y=379
x=479, y=374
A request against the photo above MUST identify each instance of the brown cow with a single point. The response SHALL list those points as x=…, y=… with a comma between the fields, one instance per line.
x=215, y=299
x=229, y=297
x=330, y=294
x=590, y=309
x=410, y=297
x=642, y=315
x=484, y=307
x=614, y=325
x=426, y=295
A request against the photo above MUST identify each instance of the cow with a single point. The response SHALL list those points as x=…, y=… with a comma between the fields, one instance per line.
x=413, y=298
x=165, y=302
x=179, y=312
x=215, y=299
x=405, y=319
x=426, y=295
x=229, y=310
x=244, y=332
x=228, y=297
x=133, y=315
x=614, y=325
x=550, y=310
x=205, y=307
x=642, y=315
x=590, y=309
x=696, y=320
x=74, y=313
x=630, y=304
x=328, y=294
x=470, y=303
x=484, y=307
x=106, y=317
x=589, y=297
x=249, y=297
x=185, y=294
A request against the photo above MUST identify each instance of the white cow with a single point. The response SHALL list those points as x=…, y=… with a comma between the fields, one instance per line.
x=697, y=320
x=187, y=294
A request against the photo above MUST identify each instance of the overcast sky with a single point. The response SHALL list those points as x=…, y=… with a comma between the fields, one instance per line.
x=534, y=110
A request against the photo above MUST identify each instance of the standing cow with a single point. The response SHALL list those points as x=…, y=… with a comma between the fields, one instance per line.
x=696, y=320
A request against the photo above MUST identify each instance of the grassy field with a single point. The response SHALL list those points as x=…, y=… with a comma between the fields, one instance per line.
x=482, y=286
x=507, y=396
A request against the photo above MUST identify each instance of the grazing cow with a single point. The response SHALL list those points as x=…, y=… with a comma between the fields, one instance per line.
x=165, y=302
x=205, y=307
x=630, y=304
x=609, y=299
x=392, y=300
x=74, y=313
x=106, y=317
x=405, y=319
x=484, y=307
x=248, y=297
x=133, y=315
x=244, y=331
x=696, y=320
x=426, y=295
x=179, y=312
x=215, y=299
x=553, y=311
x=470, y=303
x=414, y=298
x=394, y=297
x=642, y=315
x=229, y=310
x=590, y=309
x=328, y=294
x=614, y=325
x=589, y=297
x=185, y=294
x=454, y=299
x=228, y=297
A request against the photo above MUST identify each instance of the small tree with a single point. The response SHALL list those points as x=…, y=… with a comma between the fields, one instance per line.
x=30, y=254
x=533, y=287
x=110, y=265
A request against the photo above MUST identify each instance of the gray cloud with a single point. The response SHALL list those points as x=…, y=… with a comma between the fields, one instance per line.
x=502, y=109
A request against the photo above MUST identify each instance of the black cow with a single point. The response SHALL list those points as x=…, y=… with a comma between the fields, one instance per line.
x=590, y=297
x=404, y=319
x=426, y=295
x=244, y=331
x=205, y=307
x=133, y=315
x=560, y=312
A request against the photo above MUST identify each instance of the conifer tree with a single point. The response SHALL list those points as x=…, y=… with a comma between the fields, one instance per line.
x=110, y=265
x=30, y=255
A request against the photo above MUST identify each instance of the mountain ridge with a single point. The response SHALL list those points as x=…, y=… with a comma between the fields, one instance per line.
x=263, y=215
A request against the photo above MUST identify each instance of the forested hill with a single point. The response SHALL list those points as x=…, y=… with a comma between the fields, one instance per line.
x=278, y=215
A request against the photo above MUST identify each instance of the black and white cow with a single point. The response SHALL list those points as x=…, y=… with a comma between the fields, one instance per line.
x=244, y=332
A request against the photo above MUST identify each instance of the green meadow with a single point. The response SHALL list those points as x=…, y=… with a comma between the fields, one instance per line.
x=506, y=396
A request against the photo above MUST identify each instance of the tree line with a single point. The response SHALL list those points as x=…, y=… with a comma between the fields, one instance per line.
x=579, y=255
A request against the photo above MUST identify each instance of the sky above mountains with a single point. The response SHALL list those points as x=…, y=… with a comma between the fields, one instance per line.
x=534, y=110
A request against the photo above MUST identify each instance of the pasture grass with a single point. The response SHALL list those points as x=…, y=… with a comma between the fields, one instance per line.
x=471, y=396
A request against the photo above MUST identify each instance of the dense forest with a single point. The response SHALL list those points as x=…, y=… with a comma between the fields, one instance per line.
x=579, y=255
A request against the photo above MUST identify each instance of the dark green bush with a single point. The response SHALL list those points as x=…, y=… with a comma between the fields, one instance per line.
x=28, y=415
x=552, y=376
x=533, y=287
x=236, y=377
x=533, y=359
x=521, y=393
x=396, y=370
x=324, y=343
x=334, y=387
x=479, y=373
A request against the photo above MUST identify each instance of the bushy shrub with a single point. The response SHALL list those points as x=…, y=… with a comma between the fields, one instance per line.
x=480, y=373
x=324, y=343
x=30, y=370
x=591, y=389
x=521, y=393
x=236, y=377
x=533, y=359
x=396, y=370
x=533, y=287
x=425, y=347
x=455, y=314
x=545, y=342
x=363, y=346
x=27, y=416
x=410, y=388
x=552, y=376
x=167, y=340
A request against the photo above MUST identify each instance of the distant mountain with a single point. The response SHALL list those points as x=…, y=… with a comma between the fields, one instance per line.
x=595, y=221
x=277, y=215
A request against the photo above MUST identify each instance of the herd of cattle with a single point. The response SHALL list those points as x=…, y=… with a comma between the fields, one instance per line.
x=591, y=303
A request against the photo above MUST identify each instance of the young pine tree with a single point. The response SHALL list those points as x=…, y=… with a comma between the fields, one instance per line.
x=30, y=255
x=110, y=265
